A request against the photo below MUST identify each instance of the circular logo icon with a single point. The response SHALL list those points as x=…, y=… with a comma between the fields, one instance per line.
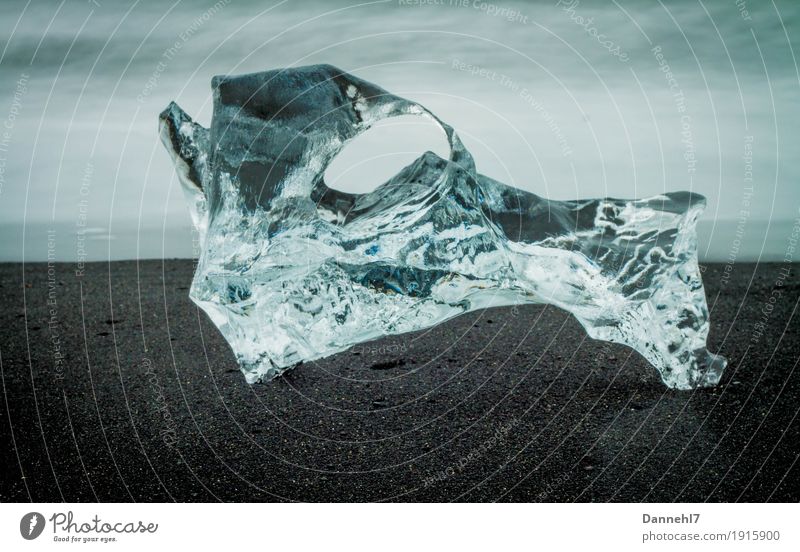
x=31, y=525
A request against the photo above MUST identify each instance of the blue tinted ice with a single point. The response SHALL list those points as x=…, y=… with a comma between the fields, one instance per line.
x=292, y=271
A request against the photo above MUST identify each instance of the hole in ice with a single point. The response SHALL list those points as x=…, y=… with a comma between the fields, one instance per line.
x=378, y=154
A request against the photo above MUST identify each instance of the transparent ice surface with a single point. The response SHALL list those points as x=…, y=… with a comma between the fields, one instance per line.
x=291, y=270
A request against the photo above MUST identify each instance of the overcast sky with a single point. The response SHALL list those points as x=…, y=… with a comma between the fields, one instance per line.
x=567, y=100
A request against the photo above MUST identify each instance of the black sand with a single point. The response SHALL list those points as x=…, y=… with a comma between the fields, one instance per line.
x=512, y=405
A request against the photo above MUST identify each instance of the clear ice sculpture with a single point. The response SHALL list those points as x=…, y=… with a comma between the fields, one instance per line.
x=291, y=270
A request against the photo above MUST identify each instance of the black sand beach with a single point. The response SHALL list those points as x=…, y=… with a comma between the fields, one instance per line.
x=120, y=389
